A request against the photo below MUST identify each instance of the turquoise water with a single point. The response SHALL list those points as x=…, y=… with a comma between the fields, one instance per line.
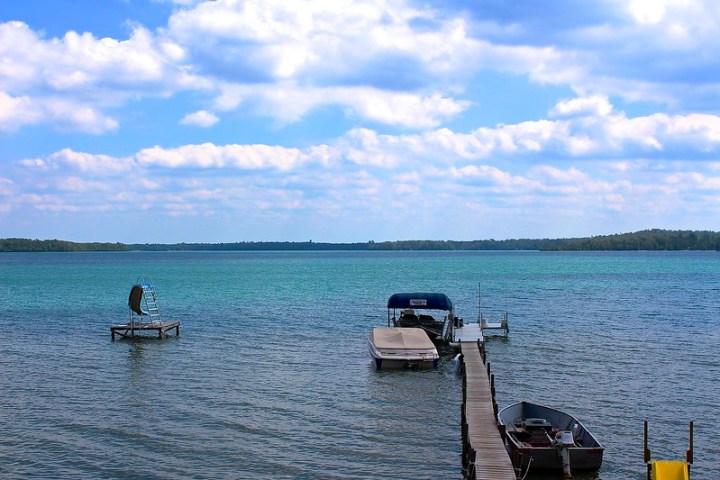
x=271, y=377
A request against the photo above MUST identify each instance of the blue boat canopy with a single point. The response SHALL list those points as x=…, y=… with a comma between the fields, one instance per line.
x=420, y=301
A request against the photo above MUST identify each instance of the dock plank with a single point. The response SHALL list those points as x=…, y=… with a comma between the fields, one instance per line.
x=469, y=332
x=491, y=460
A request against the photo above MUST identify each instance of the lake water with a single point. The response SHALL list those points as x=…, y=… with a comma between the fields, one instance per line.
x=271, y=377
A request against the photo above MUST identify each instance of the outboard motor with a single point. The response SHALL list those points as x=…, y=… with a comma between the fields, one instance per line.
x=458, y=363
x=563, y=441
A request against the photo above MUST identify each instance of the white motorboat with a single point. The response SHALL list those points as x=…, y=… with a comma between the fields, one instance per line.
x=402, y=348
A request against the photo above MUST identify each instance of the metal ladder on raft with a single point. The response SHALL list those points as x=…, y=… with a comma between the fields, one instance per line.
x=150, y=298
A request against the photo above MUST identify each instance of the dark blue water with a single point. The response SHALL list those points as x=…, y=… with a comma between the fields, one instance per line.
x=271, y=377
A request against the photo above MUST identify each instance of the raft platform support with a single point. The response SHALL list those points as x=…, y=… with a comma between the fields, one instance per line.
x=131, y=331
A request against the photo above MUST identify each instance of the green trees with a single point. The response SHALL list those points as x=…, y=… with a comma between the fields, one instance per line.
x=26, y=245
x=647, y=240
x=642, y=240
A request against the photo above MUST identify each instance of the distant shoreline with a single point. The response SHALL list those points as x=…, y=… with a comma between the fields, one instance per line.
x=652, y=240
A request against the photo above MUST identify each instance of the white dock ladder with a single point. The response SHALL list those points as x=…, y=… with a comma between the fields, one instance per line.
x=489, y=329
x=499, y=329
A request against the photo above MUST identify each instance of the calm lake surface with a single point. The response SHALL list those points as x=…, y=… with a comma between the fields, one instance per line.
x=271, y=377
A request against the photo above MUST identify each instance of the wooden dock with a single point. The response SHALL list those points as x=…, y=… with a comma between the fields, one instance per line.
x=131, y=330
x=484, y=456
x=469, y=332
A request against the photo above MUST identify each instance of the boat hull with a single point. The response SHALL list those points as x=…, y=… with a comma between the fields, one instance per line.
x=546, y=458
x=585, y=454
x=404, y=364
x=402, y=348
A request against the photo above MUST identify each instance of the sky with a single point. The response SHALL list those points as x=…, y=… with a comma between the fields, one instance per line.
x=166, y=121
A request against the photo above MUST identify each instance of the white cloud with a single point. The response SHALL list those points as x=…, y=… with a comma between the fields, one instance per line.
x=392, y=63
x=648, y=11
x=585, y=136
x=381, y=64
x=405, y=109
x=68, y=81
x=86, y=66
x=556, y=175
x=16, y=112
x=95, y=164
x=694, y=181
x=487, y=175
x=365, y=147
x=72, y=116
x=7, y=188
x=289, y=58
x=201, y=118
x=77, y=184
x=207, y=155
x=510, y=168
x=676, y=24
x=698, y=132
x=364, y=56
x=332, y=39
x=595, y=106
x=289, y=102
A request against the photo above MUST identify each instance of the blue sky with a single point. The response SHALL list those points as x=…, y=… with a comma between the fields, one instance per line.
x=341, y=121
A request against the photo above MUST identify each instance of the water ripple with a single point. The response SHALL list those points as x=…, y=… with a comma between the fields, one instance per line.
x=271, y=377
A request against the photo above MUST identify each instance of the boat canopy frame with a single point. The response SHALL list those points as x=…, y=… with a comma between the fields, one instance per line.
x=420, y=301
x=424, y=301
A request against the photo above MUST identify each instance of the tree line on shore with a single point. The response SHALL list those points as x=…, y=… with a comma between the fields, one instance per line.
x=27, y=245
x=643, y=240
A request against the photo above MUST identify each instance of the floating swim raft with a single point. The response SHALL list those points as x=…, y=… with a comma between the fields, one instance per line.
x=145, y=319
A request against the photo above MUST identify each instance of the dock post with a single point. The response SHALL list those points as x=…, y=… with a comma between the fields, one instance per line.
x=472, y=456
x=463, y=431
x=464, y=388
x=689, y=453
x=646, y=451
